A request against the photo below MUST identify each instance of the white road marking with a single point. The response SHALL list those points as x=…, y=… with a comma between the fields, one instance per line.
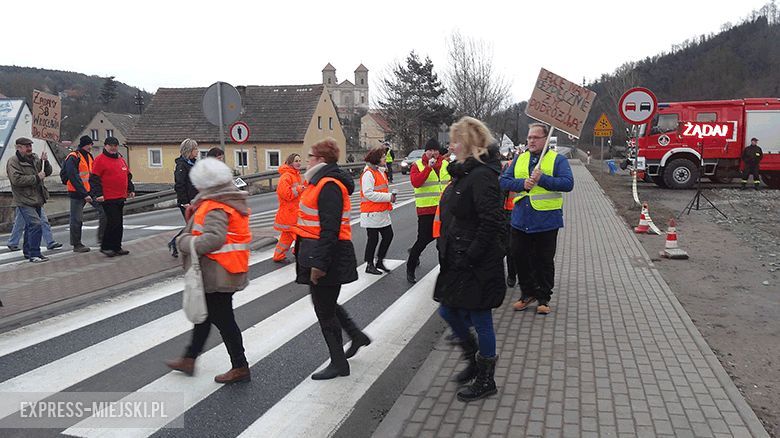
x=164, y=227
x=328, y=403
x=50, y=328
x=259, y=341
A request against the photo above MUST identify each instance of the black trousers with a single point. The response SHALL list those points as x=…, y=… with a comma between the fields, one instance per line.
x=389, y=172
x=220, y=307
x=424, y=237
x=373, y=239
x=534, y=257
x=511, y=271
x=750, y=169
x=114, y=211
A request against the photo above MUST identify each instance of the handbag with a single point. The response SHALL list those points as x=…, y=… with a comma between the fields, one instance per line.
x=194, y=297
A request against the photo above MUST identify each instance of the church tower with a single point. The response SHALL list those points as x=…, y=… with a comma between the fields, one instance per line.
x=329, y=76
x=361, y=87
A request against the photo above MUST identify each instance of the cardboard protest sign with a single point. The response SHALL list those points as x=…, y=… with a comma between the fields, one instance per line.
x=47, y=111
x=560, y=103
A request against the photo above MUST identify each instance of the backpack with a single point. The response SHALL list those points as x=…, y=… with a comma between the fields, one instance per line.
x=63, y=174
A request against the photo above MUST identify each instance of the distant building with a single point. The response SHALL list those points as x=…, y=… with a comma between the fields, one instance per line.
x=15, y=122
x=374, y=129
x=282, y=119
x=347, y=96
x=105, y=124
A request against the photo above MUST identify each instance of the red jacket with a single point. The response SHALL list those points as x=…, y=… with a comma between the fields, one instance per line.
x=418, y=177
x=111, y=177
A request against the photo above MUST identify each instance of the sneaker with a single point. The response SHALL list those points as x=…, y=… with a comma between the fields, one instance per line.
x=54, y=245
x=122, y=252
x=80, y=248
x=523, y=303
x=40, y=259
x=14, y=247
x=543, y=309
x=108, y=252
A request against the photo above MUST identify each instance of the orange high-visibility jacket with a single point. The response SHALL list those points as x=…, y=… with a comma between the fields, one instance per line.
x=234, y=254
x=308, y=225
x=288, y=191
x=380, y=186
x=85, y=168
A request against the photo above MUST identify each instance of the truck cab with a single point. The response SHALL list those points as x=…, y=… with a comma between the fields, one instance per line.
x=673, y=161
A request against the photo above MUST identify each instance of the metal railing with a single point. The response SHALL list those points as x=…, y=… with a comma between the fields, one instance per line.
x=152, y=199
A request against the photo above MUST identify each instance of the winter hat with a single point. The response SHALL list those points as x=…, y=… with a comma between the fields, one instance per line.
x=85, y=140
x=432, y=144
x=210, y=172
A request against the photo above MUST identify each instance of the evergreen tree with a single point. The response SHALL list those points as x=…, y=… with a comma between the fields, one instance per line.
x=108, y=90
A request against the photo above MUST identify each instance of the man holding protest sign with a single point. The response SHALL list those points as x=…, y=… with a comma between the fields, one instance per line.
x=538, y=177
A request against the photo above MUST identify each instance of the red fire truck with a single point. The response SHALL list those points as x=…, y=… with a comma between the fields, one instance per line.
x=674, y=161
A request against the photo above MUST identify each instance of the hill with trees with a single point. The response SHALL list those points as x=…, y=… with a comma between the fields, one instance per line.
x=82, y=95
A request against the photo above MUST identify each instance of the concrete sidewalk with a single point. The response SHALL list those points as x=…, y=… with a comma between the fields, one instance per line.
x=30, y=291
x=618, y=356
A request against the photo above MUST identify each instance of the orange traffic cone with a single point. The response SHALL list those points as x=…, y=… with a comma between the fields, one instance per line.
x=671, y=248
x=643, y=226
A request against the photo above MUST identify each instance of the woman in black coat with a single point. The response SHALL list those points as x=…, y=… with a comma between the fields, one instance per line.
x=325, y=257
x=471, y=280
x=185, y=191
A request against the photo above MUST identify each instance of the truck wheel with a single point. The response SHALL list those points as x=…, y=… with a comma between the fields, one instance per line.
x=771, y=179
x=681, y=174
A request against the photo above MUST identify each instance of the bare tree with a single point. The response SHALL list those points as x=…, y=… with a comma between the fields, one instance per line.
x=474, y=88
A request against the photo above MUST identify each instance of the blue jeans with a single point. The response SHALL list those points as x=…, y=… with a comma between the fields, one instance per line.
x=31, y=216
x=18, y=229
x=482, y=320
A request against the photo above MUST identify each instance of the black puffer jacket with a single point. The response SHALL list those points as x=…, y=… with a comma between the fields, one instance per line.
x=328, y=253
x=185, y=191
x=470, y=249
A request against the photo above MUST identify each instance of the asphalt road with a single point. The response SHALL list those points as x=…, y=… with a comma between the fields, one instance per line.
x=116, y=348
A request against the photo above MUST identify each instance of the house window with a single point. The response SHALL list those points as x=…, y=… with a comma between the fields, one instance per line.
x=330, y=123
x=155, y=157
x=362, y=99
x=272, y=158
x=95, y=135
x=202, y=153
x=109, y=132
x=242, y=157
x=319, y=122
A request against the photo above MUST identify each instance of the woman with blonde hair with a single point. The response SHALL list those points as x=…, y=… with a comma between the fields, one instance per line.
x=185, y=191
x=288, y=191
x=376, y=202
x=471, y=280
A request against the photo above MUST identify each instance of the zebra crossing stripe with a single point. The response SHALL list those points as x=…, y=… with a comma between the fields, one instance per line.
x=69, y=370
x=50, y=328
x=328, y=403
x=260, y=340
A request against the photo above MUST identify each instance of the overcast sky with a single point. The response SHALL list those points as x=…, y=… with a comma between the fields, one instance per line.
x=172, y=43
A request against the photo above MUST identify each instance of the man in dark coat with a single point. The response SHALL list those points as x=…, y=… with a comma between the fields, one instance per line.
x=751, y=156
x=325, y=256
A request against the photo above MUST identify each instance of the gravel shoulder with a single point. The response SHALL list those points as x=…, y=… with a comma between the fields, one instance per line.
x=730, y=286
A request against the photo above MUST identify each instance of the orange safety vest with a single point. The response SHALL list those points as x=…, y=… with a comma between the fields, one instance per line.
x=380, y=186
x=437, y=223
x=308, y=225
x=234, y=254
x=85, y=168
x=288, y=192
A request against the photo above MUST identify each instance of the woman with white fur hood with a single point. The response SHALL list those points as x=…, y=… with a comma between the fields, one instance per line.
x=218, y=220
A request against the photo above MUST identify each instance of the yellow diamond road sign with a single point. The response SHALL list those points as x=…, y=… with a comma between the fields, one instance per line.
x=603, y=127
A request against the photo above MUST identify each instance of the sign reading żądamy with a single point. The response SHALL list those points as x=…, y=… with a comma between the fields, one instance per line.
x=560, y=103
x=47, y=111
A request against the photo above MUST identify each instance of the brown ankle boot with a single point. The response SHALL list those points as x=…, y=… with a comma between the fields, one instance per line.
x=234, y=375
x=184, y=364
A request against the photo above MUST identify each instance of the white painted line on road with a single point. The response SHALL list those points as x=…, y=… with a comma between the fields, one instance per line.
x=38, y=332
x=71, y=369
x=135, y=227
x=260, y=340
x=164, y=227
x=328, y=403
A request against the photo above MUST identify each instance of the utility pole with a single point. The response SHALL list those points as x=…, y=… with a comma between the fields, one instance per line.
x=139, y=101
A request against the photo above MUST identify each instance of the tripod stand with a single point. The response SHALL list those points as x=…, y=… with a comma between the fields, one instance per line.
x=695, y=203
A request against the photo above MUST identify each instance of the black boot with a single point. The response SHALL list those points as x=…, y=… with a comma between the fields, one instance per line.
x=484, y=385
x=469, y=347
x=359, y=339
x=371, y=269
x=380, y=264
x=338, y=361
